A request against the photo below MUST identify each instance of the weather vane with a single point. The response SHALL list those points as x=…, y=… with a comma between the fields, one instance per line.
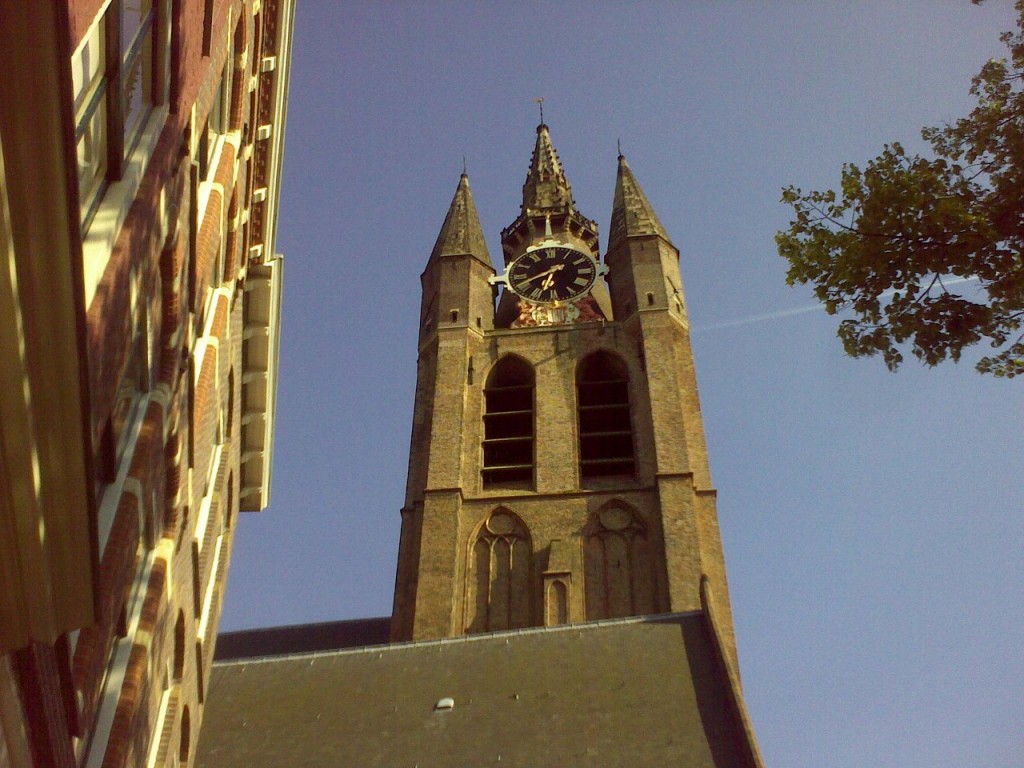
x=540, y=103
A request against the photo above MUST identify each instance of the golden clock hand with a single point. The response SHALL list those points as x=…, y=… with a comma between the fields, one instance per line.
x=545, y=273
x=538, y=276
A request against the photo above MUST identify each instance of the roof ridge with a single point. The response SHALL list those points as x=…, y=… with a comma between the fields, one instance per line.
x=654, y=618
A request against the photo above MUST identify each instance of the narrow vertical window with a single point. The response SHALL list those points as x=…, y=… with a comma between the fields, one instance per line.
x=88, y=74
x=220, y=109
x=557, y=604
x=216, y=124
x=137, y=48
x=508, y=425
x=179, y=647
x=185, y=742
x=605, y=426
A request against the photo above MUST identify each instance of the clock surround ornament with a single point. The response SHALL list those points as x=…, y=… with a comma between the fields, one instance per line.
x=552, y=282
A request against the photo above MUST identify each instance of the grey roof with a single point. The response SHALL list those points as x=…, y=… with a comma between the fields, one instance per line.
x=637, y=692
x=632, y=213
x=461, y=233
x=302, y=638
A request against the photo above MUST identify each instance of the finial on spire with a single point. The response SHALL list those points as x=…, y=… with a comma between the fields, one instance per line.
x=540, y=103
x=618, y=145
x=464, y=165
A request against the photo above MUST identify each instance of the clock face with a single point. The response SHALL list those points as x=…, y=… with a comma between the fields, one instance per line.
x=552, y=274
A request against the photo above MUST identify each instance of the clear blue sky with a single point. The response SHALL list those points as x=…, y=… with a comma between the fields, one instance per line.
x=872, y=522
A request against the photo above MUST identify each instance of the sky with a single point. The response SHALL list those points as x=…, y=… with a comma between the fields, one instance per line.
x=871, y=521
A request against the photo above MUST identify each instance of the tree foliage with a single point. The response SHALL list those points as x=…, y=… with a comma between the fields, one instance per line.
x=928, y=250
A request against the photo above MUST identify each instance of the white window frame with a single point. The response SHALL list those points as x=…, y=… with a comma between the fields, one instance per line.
x=106, y=203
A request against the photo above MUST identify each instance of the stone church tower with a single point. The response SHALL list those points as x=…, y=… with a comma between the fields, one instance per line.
x=558, y=474
x=558, y=470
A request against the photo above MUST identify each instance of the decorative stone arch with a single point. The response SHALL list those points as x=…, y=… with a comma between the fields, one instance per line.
x=508, y=414
x=604, y=417
x=619, y=575
x=499, y=561
x=509, y=359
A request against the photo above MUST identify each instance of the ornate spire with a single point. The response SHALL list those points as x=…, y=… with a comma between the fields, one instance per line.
x=461, y=233
x=632, y=214
x=546, y=188
x=548, y=208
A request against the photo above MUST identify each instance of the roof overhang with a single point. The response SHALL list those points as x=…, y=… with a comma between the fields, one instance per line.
x=260, y=349
x=261, y=335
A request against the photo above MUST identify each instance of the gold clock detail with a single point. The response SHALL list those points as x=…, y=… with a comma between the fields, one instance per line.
x=551, y=274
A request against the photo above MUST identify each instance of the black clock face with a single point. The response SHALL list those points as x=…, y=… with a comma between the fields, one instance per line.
x=554, y=273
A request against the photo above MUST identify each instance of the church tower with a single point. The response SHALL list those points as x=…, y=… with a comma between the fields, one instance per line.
x=558, y=471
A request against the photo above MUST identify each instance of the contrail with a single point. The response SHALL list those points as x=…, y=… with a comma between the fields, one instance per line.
x=760, y=318
x=799, y=310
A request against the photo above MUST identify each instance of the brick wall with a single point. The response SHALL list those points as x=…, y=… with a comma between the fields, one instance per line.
x=170, y=477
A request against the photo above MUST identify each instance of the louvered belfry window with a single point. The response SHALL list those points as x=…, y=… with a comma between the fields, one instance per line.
x=508, y=425
x=605, y=426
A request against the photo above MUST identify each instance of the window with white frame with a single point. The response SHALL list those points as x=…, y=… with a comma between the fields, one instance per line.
x=138, y=22
x=119, y=73
x=217, y=122
x=90, y=85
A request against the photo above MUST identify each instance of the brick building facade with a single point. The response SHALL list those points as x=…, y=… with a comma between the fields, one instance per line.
x=140, y=162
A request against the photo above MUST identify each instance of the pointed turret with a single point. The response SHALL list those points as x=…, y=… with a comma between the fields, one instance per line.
x=632, y=214
x=546, y=190
x=644, y=262
x=456, y=291
x=461, y=233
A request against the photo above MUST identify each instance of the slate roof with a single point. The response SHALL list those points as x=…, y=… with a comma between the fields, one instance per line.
x=302, y=638
x=632, y=213
x=461, y=233
x=650, y=691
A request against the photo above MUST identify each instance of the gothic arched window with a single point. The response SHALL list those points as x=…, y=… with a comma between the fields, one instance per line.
x=508, y=425
x=498, y=575
x=605, y=426
x=618, y=568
